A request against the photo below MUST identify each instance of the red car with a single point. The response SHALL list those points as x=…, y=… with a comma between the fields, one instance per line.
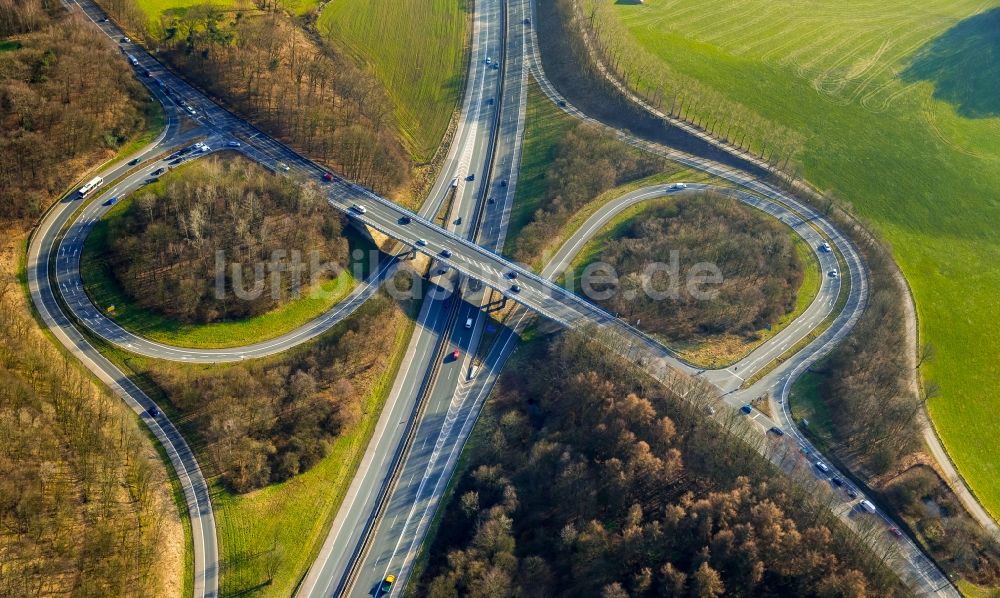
x=895, y=532
x=454, y=355
x=327, y=177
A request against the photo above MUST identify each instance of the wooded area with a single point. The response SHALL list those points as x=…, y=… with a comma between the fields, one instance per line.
x=268, y=69
x=268, y=420
x=586, y=164
x=65, y=96
x=85, y=502
x=163, y=248
x=761, y=272
x=585, y=479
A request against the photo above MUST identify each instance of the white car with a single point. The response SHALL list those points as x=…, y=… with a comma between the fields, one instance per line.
x=360, y=209
x=834, y=274
x=824, y=247
x=822, y=467
x=422, y=242
x=283, y=166
x=678, y=187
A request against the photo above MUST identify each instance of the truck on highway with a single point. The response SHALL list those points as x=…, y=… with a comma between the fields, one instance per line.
x=92, y=184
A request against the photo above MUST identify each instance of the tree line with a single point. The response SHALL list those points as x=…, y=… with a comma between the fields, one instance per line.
x=760, y=269
x=163, y=249
x=266, y=421
x=66, y=100
x=586, y=164
x=585, y=479
x=268, y=69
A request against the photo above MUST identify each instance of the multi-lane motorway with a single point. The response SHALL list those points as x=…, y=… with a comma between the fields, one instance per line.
x=433, y=404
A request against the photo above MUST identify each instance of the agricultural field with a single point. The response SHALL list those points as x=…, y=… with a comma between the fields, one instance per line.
x=898, y=107
x=416, y=49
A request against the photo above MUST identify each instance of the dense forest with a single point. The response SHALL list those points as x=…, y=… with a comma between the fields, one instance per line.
x=586, y=164
x=761, y=272
x=267, y=68
x=163, y=249
x=85, y=503
x=66, y=100
x=585, y=479
x=268, y=420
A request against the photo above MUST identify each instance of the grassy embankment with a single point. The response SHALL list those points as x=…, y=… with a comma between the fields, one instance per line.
x=416, y=49
x=901, y=118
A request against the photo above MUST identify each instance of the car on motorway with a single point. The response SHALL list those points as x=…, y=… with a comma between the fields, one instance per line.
x=527, y=21
x=146, y=73
x=824, y=247
x=454, y=182
x=157, y=172
x=455, y=354
x=496, y=66
x=895, y=532
x=468, y=323
x=110, y=201
x=822, y=467
x=837, y=482
x=125, y=40
x=490, y=101
x=515, y=288
x=421, y=242
x=503, y=183
x=133, y=161
x=360, y=209
x=488, y=60
x=471, y=177
x=105, y=20
x=405, y=220
x=282, y=166
x=512, y=274
x=327, y=177
x=445, y=253
x=833, y=274
x=677, y=187
x=867, y=506
x=748, y=409
x=385, y=585
x=153, y=411
x=852, y=493
x=233, y=143
x=491, y=200
x=561, y=103
x=191, y=110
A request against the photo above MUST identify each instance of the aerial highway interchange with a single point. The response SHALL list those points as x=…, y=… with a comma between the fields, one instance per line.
x=380, y=527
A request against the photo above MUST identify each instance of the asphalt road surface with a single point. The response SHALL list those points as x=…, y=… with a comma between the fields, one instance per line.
x=474, y=145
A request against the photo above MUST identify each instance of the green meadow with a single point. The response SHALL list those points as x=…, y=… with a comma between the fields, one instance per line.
x=899, y=108
x=416, y=49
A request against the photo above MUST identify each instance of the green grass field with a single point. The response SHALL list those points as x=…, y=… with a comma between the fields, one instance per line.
x=899, y=106
x=416, y=49
x=105, y=292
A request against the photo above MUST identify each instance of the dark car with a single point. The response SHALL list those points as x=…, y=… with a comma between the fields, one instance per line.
x=562, y=103
x=516, y=288
x=153, y=411
x=133, y=161
x=110, y=201
x=527, y=21
x=491, y=200
x=327, y=177
x=746, y=409
x=837, y=482
x=157, y=172
x=404, y=220
x=895, y=532
x=445, y=253
x=490, y=101
x=471, y=177
x=146, y=73
x=512, y=274
x=776, y=431
x=851, y=492
x=503, y=183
